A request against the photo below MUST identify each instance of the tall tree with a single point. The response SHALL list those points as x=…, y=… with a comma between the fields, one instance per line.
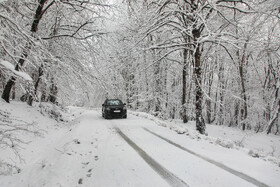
x=34, y=28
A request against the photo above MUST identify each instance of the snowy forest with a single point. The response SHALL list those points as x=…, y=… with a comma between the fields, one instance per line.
x=208, y=61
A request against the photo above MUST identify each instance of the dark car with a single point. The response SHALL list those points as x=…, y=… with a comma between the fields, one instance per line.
x=114, y=108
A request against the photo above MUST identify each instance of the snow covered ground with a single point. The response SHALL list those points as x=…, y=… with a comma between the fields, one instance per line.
x=84, y=149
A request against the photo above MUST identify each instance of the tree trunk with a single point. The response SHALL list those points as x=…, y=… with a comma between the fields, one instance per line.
x=157, y=88
x=200, y=124
x=208, y=110
x=8, y=88
x=208, y=101
x=157, y=80
x=53, y=92
x=275, y=119
x=241, y=69
x=215, y=106
x=236, y=113
x=222, y=93
x=184, y=111
x=244, y=110
x=40, y=73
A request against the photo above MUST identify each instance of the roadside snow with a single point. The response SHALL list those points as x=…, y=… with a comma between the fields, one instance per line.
x=260, y=145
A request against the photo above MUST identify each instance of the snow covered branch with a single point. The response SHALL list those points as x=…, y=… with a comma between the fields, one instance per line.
x=5, y=65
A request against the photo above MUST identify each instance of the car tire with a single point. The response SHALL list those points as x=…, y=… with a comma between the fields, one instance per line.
x=125, y=116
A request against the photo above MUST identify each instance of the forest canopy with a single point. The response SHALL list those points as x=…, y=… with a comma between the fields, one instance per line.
x=211, y=61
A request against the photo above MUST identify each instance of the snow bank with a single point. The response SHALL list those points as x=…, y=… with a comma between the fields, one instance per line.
x=262, y=146
x=20, y=124
x=65, y=147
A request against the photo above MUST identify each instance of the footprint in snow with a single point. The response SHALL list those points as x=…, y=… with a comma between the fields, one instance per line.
x=89, y=175
x=96, y=158
x=85, y=163
x=80, y=181
x=76, y=141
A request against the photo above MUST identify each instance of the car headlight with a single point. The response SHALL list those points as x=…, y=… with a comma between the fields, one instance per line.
x=108, y=108
x=124, y=108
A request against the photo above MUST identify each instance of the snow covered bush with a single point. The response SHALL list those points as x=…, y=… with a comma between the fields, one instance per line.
x=225, y=143
x=52, y=110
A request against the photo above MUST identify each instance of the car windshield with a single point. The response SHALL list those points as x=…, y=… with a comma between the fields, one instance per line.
x=114, y=102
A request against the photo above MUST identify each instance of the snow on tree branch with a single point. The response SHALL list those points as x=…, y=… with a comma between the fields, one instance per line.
x=8, y=66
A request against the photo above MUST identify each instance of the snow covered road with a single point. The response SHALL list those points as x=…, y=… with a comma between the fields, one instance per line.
x=163, y=172
x=176, y=166
x=135, y=152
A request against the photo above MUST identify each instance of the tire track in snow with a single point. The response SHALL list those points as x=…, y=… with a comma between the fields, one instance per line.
x=170, y=178
x=220, y=165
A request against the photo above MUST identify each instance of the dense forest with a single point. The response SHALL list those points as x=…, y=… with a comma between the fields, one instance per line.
x=209, y=61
